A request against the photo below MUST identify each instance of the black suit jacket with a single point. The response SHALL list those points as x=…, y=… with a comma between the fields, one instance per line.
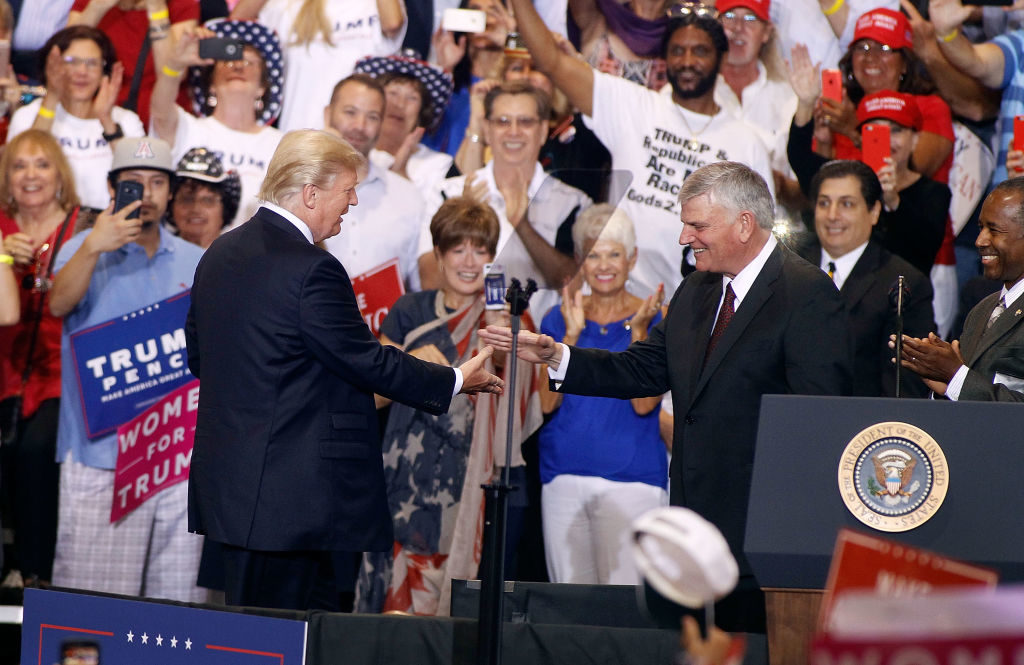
x=872, y=318
x=787, y=336
x=287, y=454
x=1000, y=350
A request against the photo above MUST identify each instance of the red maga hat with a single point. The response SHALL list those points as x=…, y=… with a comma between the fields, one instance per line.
x=896, y=106
x=759, y=7
x=885, y=26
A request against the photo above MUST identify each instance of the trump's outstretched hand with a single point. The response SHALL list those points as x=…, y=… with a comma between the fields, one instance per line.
x=476, y=379
x=534, y=348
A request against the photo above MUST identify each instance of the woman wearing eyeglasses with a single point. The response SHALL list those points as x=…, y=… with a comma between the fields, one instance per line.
x=236, y=101
x=38, y=210
x=82, y=76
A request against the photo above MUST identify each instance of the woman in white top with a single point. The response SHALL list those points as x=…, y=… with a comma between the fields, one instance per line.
x=82, y=76
x=237, y=99
x=322, y=40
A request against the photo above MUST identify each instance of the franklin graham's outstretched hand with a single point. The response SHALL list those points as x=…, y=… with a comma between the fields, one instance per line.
x=476, y=379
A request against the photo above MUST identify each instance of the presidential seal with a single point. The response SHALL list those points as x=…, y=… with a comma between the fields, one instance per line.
x=893, y=476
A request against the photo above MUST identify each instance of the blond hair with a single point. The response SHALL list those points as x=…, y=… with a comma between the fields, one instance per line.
x=307, y=157
x=67, y=197
x=311, y=19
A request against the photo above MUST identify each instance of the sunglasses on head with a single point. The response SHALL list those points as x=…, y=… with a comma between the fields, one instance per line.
x=700, y=10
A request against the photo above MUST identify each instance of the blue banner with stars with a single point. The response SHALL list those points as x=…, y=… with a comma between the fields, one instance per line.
x=61, y=627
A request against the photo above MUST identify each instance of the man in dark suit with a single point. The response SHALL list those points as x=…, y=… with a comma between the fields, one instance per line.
x=755, y=319
x=987, y=363
x=847, y=203
x=286, y=470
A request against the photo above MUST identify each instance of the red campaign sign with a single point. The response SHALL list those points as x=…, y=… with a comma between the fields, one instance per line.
x=154, y=449
x=975, y=650
x=377, y=290
x=889, y=568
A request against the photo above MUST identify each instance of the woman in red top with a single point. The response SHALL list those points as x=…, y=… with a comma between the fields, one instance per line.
x=38, y=210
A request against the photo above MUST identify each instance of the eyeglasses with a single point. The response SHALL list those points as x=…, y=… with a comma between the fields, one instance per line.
x=525, y=122
x=697, y=9
x=864, y=47
x=89, y=63
x=732, y=17
x=238, y=64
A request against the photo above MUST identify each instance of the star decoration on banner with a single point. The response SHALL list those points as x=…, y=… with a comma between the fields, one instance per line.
x=174, y=642
x=145, y=638
x=159, y=640
x=131, y=636
x=188, y=644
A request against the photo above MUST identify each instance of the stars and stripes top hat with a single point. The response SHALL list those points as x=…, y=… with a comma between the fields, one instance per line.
x=438, y=83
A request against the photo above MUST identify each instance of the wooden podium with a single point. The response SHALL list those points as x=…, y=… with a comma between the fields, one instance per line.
x=796, y=510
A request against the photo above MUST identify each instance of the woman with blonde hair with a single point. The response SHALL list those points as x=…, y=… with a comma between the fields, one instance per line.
x=38, y=211
x=322, y=41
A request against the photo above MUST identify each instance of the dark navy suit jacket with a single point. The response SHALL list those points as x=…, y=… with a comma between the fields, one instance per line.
x=287, y=454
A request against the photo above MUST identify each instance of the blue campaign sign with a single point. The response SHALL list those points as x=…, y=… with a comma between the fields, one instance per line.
x=125, y=364
x=134, y=631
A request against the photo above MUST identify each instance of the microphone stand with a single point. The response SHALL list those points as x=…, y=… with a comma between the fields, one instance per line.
x=492, y=580
x=900, y=290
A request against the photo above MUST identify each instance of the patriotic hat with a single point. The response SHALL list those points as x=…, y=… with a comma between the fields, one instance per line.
x=264, y=40
x=885, y=26
x=438, y=83
x=896, y=106
x=205, y=166
x=759, y=7
x=142, y=152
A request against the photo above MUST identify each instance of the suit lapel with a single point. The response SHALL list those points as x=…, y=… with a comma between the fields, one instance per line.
x=982, y=340
x=862, y=277
x=708, y=293
x=758, y=295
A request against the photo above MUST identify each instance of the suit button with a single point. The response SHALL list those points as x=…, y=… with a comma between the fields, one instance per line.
x=689, y=420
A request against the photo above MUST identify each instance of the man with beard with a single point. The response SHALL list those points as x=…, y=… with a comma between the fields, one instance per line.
x=120, y=266
x=660, y=139
x=386, y=224
x=986, y=364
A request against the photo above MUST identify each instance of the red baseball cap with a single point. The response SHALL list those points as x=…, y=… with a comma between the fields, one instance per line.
x=885, y=26
x=759, y=7
x=896, y=106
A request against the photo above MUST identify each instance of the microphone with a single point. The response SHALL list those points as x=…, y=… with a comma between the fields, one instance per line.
x=898, y=293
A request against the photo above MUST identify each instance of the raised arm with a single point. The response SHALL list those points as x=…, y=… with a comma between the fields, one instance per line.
x=171, y=58
x=392, y=16
x=110, y=232
x=573, y=76
x=838, y=13
x=966, y=96
x=983, y=62
x=92, y=14
x=247, y=10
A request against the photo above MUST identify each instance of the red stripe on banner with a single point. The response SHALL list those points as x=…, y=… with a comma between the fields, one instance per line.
x=279, y=656
x=68, y=628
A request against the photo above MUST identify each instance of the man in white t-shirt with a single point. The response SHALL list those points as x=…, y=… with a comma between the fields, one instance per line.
x=531, y=205
x=659, y=140
x=386, y=223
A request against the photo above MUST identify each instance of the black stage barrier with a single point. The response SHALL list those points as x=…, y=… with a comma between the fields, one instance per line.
x=536, y=634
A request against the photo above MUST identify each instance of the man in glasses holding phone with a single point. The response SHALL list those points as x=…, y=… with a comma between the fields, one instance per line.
x=127, y=261
x=659, y=138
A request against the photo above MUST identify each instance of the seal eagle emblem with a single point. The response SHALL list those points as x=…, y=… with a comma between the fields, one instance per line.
x=893, y=476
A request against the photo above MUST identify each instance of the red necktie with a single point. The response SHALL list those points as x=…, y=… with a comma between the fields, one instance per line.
x=722, y=322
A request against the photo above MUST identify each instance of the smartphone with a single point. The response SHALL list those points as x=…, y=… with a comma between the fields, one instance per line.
x=221, y=48
x=128, y=191
x=875, y=146
x=494, y=286
x=464, y=20
x=1018, y=132
x=832, y=84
